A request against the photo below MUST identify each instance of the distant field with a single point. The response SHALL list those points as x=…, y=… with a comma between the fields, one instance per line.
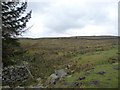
x=86, y=57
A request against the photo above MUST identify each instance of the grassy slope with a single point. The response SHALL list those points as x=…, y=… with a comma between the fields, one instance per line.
x=46, y=55
x=100, y=63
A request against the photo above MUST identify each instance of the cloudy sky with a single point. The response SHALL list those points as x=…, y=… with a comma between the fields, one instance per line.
x=64, y=18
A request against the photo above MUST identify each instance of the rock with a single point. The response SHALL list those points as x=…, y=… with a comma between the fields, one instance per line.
x=5, y=87
x=95, y=82
x=69, y=76
x=65, y=83
x=68, y=66
x=81, y=78
x=38, y=79
x=77, y=83
x=14, y=74
x=87, y=73
x=72, y=71
x=116, y=68
x=113, y=62
x=60, y=73
x=37, y=86
x=109, y=79
x=101, y=72
x=53, y=78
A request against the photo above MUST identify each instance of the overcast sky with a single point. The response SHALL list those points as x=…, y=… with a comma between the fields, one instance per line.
x=63, y=18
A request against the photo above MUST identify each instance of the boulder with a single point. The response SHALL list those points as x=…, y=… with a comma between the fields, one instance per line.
x=81, y=78
x=38, y=79
x=76, y=83
x=60, y=73
x=94, y=82
x=101, y=72
x=53, y=78
x=109, y=79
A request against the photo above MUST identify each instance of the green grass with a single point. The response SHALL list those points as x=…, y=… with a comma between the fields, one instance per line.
x=44, y=56
x=99, y=57
x=100, y=63
x=92, y=75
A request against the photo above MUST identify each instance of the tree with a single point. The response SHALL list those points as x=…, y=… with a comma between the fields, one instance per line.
x=14, y=22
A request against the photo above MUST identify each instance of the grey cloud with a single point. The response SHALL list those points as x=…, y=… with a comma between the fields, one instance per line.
x=38, y=7
x=58, y=19
x=63, y=18
x=60, y=24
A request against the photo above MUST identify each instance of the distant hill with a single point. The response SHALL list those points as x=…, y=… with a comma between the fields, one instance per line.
x=78, y=37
